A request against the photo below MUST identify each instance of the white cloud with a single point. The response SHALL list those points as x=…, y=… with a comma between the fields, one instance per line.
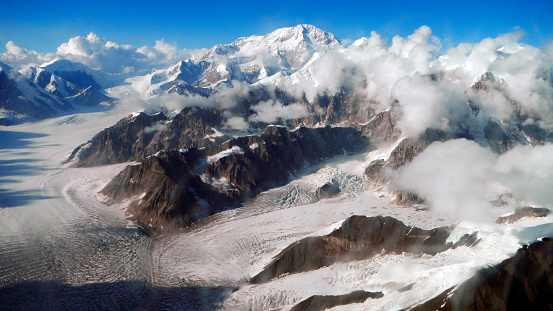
x=528, y=172
x=427, y=105
x=460, y=178
x=236, y=123
x=18, y=57
x=97, y=53
x=272, y=110
x=452, y=177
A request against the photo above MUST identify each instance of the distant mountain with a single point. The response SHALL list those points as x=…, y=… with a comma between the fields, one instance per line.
x=250, y=59
x=45, y=91
x=21, y=98
x=81, y=75
x=180, y=78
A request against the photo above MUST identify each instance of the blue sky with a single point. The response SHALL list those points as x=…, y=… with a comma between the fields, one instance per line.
x=44, y=25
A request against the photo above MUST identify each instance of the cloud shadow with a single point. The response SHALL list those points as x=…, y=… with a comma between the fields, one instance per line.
x=123, y=295
x=16, y=140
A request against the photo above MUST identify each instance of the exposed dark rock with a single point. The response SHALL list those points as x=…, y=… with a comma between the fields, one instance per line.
x=328, y=190
x=486, y=81
x=169, y=194
x=382, y=128
x=320, y=302
x=406, y=198
x=279, y=153
x=519, y=213
x=522, y=282
x=403, y=154
x=6, y=122
x=115, y=144
x=375, y=171
x=89, y=97
x=136, y=137
x=174, y=195
x=499, y=138
x=358, y=238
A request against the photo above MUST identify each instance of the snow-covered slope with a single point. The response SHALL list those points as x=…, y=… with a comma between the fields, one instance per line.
x=81, y=75
x=21, y=98
x=181, y=75
x=248, y=59
x=51, y=83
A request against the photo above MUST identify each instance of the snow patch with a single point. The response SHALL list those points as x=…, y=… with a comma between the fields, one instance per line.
x=216, y=157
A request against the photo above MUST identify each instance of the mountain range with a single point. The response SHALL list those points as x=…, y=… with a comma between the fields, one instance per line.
x=242, y=126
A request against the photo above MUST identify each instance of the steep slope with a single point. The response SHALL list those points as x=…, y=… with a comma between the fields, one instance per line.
x=319, y=302
x=181, y=78
x=248, y=59
x=65, y=90
x=522, y=282
x=141, y=135
x=254, y=58
x=170, y=194
x=51, y=83
x=81, y=75
x=21, y=98
x=359, y=237
x=171, y=189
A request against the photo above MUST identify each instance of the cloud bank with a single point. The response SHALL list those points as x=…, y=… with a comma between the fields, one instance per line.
x=434, y=87
x=97, y=53
x=461, y=178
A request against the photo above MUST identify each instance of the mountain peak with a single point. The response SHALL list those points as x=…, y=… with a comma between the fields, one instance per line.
x=303, y=32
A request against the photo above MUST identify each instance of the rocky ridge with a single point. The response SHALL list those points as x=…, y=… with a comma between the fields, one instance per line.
x=359, y=237
x=522, y=282
x=320, y=302
x=138, y=136
x=38, y=94
x=176, y=188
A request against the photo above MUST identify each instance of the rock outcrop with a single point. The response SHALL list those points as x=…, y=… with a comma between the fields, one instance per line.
x=138, y=136
x=522, y=282
x=22, y=99
x=320, y=302
x=328, y=190
x=358, y=238
x=403, y=154
x=522, y=212
x=173, y=189
x=166, y=192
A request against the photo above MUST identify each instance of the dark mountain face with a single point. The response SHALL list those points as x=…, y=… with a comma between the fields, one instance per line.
x=115, y=144
x=358, y=238
x=320, y=302
x=173, y=189
x=170, y=194
x=522, y=282
x=136, y=137
x=42, y=95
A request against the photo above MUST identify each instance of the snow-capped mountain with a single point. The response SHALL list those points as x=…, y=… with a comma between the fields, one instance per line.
x=81, y=75
x=254, y=58
x=45, y=91
x=51, y=83
x=249, y=59
x=183, y=75
x=22, y=98
x=299, y=173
